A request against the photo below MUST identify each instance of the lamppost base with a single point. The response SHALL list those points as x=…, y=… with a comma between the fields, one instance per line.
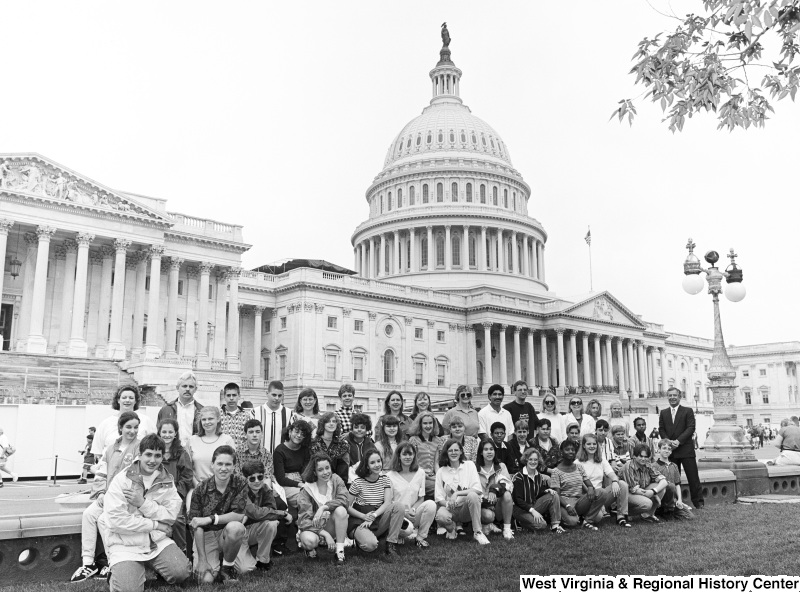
x=752, y=477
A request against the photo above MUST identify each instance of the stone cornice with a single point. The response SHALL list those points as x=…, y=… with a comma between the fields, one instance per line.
x=428, y=173
x=185, y=237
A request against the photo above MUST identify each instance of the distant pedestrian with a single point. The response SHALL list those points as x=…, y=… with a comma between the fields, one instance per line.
x=6, y=450
x=88, y=457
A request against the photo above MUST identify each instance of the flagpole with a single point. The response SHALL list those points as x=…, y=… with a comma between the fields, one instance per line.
x=589, y=242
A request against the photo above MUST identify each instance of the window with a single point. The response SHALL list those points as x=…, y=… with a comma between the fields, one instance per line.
x=419, y=368
x=282, y=367
x=267, y=326
x=749, y=423
x=505, y=197
x=381, y=204
x=696, y=367
x=705, y=367
x=389, y=202
x=180, y=287
x=411, y=195
x=440, y=336
x=683, y=366
x=514, y=201
x=330, y=366
x=469, y=192
x=455, y=242
x=332, y=322
x=494, y=196
x=358, y=325
x=765, y=396
x=480, y=375
x=747, y=398
x=483, y=193
x=440, y=250
x=147, y=283
x=454, y=192
x=266, y=368
x=283, y=323
x=440, y=372
x=669, y=364
x=210, y=291
x=358, y=368
x=424, y=193
x=439, y=192
x=745, y=373
x=658, y=362
x=389, y=330
x=762, y=371
x=388, y=366
x=418, y=332
x=423, y=256
x=472, y=256
x=399, y=198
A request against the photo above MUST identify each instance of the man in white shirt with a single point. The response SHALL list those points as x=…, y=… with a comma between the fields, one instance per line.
x=184, y=409
x=273, y=415
x=494, y=412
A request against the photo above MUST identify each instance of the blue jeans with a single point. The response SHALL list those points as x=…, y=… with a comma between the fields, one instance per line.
x=171, y=563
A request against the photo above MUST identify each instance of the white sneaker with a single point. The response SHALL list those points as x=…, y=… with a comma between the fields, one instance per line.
x=452, y=535
x=348, y=542
x=493, y=529
x=508, y=534
x=481, y=538
x=441, y=530
x=83, y=573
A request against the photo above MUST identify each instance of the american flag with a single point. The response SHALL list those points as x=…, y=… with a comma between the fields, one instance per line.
x=588, y=238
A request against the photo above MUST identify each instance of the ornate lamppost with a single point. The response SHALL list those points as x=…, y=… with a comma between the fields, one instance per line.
x=725, y=445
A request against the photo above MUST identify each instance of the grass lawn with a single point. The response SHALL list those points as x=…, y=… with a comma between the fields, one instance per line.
x=735, y=539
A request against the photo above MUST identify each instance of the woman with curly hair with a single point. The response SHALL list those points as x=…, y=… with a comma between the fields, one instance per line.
x=388, y=438
x=329, y=440
x=307, y=409
x=322, y=508
x=127, y=398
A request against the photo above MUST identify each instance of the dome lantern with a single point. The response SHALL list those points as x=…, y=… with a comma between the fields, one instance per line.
x=445, y=77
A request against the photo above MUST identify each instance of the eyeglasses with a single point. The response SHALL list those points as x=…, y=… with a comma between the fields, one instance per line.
x=254, y=478
x=549, y=402
x=576, y=402
x=466, y=396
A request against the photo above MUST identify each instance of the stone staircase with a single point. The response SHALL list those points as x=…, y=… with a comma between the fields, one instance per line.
x=51, y=379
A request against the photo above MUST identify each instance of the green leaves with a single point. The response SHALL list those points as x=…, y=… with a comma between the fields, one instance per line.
x=710, y=63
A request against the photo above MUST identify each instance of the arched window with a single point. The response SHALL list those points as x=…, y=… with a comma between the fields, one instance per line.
x=509, y=261
x=439, y=192
x=388, y=366
x=399, y=198
x=483, y=193
x=419, y=139
x=424, y=193
x=469, y=192
x=454, y=192
x=381, y=204
x=505, y=198
x=389, y=202
x=455, y=242
x=408, y=254
x=494, y=196
x=411, y=196
x=423, y=252
x=472, y=246
x=440, y=137
x=440, y=250
x=514, y=201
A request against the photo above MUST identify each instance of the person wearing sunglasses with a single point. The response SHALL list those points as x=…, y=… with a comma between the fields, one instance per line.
x=550, y=411
x=576, y=415
x=464, y=410
x=261, y=513
x=519, y=408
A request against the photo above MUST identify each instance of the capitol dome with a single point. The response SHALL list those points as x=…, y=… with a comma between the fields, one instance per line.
x=448, y=210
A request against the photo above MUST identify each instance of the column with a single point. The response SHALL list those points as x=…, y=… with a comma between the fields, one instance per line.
x=598, y=372
x=172, y=307
x=620, y=367
x=413, y=264
x=373, y=259
x=514, y=253
x=543, y=360
x=202, y=315
x=481, y=254
x=152, y=349
x=531, y=363
x=487, y=354
x=65, y=320
x=534, y=262
x=472, y=356
x=233, y=319
x=140, y=301
x=571, y=373
x=526, y=261
x=541, y=262
x=517, y=355
x=382, y=257
x=4, y=227
x=652, y=359
x=560, y=350
x=642, y=368
x=37, y=344
x=503, y=356
x=664, y=383
x=540, y=270
x=258, y=311
x=431, y=263
x=77, y=343
x=631, y=370
x=116, y=349
x=501, y=252
x=396, y=258
x=104, y=309
x=28, y=272
x=465, y=249
x=587, y=364
x=609, y=362
x=431, y=339
x=364, y=271
x=448, y=249
x=220, y=316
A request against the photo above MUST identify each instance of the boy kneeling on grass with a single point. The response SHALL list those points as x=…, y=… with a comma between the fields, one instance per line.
x=263, y=515
x=139, y=508
x=672, y=505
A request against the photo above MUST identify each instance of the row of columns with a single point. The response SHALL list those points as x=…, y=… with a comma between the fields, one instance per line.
x=635, y=362
x=378, y=256
x=115, y=260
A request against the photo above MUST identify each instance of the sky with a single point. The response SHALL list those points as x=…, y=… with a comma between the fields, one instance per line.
x=278, y=115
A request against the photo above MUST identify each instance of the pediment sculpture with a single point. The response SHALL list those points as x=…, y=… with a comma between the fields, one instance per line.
x=603, y=310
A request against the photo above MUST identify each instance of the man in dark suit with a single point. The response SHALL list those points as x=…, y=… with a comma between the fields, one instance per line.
x=676, y=423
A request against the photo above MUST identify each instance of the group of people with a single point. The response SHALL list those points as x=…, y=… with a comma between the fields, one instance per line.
x=233, y=486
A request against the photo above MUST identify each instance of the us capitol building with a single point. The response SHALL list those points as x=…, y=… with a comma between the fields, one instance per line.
x=449, y=287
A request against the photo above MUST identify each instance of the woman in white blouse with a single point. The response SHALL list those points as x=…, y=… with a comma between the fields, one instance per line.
x=576, y=415
x=604, y=479
x=202, y=445
x=408, y=487
x=550, y=411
